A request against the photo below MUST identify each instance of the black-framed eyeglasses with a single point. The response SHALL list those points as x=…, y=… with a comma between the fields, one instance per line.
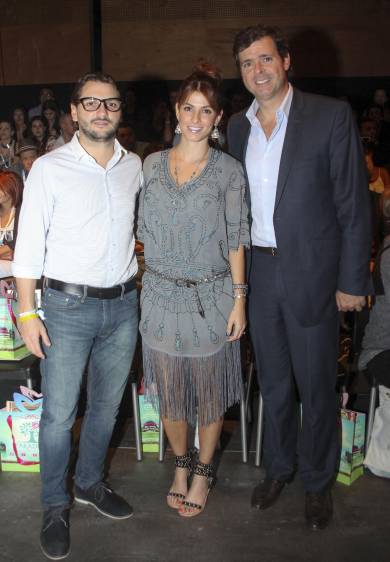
x=93, y=104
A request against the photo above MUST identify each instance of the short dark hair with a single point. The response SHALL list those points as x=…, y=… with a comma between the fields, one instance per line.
x=40, y=118
x=249, y=35
x=9, y=122
x=373, y=106
x=90, y=77
x=50, y=104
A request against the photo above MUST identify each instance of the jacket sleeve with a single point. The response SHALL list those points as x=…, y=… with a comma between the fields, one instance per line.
x=351, y=199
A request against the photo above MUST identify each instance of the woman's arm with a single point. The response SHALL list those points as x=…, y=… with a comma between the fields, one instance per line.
x=237, y=318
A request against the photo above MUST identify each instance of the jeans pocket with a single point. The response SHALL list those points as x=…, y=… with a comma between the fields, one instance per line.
x=60, y=300
x=131, y=297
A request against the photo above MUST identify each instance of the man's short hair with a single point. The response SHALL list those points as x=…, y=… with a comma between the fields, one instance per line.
x=90, y=77
x=247, y=36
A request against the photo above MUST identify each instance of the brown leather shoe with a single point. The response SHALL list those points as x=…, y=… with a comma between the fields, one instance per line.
x=318, y=510
x=266, y=493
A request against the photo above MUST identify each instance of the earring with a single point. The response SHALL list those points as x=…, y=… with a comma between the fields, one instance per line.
x=215, y=134
x=178, y=130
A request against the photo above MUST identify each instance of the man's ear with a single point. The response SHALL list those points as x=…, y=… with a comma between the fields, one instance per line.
x=73, y=112
x=287, y=62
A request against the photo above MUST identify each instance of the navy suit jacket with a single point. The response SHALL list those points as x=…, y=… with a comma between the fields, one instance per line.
x=322, y=210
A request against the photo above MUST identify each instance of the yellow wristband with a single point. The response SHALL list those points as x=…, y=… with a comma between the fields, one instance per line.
x=28, y=317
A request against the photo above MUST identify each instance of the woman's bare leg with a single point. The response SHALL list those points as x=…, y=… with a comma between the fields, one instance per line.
x=177, y=436
x=208, y=439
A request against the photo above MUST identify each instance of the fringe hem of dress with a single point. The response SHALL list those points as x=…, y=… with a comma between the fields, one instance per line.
x=185, y=388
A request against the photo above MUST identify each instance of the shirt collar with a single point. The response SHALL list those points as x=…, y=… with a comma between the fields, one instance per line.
x=284, y=107
x=80, y=152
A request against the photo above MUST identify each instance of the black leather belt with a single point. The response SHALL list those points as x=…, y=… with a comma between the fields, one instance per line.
x=266, y=250
x=87, y=291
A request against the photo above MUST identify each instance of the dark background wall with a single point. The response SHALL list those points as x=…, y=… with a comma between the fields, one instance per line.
x=337, y=46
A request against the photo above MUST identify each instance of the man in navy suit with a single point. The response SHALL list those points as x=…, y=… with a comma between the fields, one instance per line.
x=310, y=230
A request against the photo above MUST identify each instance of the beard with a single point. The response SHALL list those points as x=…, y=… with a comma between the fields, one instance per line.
x=98, y=136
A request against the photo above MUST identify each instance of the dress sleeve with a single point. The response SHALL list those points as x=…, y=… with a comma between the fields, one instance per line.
x=140, y=215
x=236, y=211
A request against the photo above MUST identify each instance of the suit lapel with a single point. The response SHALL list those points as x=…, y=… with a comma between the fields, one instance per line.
x=243, y=132
x=291, y=142
x=242, y=141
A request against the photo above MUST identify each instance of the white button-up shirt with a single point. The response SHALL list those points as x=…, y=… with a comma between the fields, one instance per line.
x=77, y=218
x=262, y=165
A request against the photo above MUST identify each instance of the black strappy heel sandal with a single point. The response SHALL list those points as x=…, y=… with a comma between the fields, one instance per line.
x=201, y=469
x=181, y=461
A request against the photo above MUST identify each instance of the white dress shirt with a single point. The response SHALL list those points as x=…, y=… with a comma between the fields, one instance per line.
x=262, y=165
x=77, y=218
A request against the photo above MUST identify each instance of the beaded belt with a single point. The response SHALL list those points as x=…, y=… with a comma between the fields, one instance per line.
x=190, y=283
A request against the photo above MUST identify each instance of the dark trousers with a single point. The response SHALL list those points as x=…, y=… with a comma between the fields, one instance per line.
x=289, y=356
x=379, y=368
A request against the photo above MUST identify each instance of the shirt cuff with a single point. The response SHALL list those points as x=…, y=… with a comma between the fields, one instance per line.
x=26, y=272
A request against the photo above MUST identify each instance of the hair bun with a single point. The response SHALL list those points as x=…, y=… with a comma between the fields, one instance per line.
x=204, y=67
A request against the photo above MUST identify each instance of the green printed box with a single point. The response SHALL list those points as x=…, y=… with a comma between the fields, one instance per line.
x=19, y=440
x=150, y=425
x=353, y=426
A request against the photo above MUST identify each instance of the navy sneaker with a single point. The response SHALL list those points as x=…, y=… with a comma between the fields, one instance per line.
x=102, y=498
x=55, y=537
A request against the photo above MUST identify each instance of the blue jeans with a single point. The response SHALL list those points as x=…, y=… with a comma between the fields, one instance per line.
x=103, y=333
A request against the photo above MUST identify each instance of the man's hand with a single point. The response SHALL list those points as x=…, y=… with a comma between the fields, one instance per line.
x=349, y=303
x=32, y=331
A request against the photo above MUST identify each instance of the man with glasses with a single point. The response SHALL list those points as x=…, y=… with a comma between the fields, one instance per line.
x=76, y=229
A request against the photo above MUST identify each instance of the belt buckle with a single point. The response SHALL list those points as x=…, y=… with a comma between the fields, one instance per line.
x=273, y=251
x=185, y=283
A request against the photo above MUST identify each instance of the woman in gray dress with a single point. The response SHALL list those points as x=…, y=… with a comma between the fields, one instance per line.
x=193, y=222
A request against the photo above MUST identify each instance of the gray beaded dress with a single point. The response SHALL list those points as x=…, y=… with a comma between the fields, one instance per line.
x=187, y=232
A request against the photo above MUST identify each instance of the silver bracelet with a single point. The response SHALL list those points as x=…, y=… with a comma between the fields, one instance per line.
x=240, y=291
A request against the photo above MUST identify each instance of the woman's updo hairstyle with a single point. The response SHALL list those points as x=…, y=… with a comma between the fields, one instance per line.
x=206, y=79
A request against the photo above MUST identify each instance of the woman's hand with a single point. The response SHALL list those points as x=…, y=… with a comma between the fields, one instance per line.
x=237, y=321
